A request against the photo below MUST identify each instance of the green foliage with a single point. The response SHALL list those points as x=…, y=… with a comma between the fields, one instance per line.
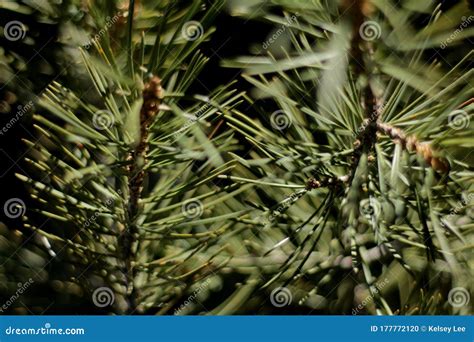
x=146, y=249
x=387, y=217
x=341, y=182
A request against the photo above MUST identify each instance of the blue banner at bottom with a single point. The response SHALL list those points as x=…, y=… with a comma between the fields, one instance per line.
x=237, y=328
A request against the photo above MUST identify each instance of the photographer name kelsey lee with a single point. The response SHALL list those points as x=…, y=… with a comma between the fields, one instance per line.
x=418, y=328
x=438, y=328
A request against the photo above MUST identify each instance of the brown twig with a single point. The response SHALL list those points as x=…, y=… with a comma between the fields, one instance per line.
x=152, y=95
x=356, y=11
x=412, y=144
x=466, y=103
x=313, y=183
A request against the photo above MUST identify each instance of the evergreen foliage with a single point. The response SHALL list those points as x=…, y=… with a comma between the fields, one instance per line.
x=339, y=183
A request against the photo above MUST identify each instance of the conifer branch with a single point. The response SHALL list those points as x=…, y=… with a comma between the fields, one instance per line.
x=157, y=195
x=412, y=144
x=152, y=95
x=357, y=11
x=313, y=183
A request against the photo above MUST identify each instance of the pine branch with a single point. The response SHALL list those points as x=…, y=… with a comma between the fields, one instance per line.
x=131, y=173
x=363, y=98
x=412, y=144
x=152, y=96
x=326, y=182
